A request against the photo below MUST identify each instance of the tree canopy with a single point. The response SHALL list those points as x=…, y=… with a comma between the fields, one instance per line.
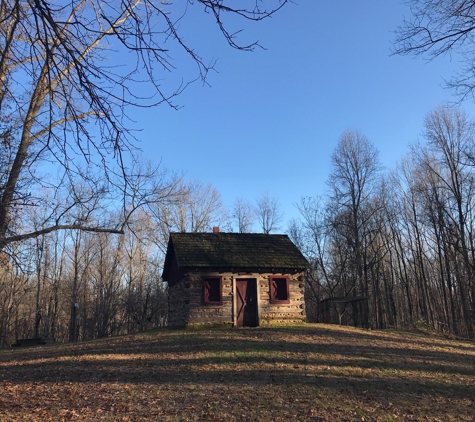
x=69, y=71
x=437, y=28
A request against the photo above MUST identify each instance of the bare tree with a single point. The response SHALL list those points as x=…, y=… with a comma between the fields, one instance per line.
x=268, y=213
x=450, y=135
x=13, y=289
x=66, y=85
x=145, y=295
x=312, y=238
x=243, y=214
x=439, y=27
x=196, y=208
x=353, y=181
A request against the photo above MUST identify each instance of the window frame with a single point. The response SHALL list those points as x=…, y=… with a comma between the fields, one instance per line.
x=205, y=297
x=273, y=291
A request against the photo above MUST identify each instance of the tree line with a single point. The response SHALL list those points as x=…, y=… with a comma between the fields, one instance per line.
x=403, y=239
x=79, y=257
x=84, y=223
x=75, y=285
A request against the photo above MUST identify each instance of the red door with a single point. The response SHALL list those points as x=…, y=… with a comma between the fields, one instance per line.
x=246, y=302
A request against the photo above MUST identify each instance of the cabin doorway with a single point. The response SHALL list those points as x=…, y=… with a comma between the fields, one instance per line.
x=246, y=303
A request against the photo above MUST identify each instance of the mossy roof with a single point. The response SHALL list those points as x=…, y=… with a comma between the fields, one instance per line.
x=234, y=251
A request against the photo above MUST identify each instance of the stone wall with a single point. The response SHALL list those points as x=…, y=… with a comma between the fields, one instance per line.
x=291, y=312
x=186, y=307
x=176, y=305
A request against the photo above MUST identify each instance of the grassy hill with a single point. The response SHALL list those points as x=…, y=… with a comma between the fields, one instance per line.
x=309, y=373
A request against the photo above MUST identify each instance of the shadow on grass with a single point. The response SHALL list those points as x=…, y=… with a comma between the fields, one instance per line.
x=182, y=374
x=263, y=356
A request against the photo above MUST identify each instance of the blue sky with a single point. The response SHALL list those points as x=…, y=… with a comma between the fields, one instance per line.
x=270, y=119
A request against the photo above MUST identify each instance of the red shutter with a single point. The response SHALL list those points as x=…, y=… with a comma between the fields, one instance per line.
x=212, y=291
x=279, y=289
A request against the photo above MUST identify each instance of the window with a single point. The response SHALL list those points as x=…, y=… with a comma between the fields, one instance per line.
x=279, y=290
x=212, y=291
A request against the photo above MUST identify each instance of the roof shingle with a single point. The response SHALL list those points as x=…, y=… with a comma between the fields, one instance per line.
x=234, y=250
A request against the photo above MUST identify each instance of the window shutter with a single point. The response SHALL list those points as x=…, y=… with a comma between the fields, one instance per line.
x=212, y=291
x=279, y=290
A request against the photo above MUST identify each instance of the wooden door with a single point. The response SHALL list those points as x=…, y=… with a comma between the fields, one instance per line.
x=246, y=303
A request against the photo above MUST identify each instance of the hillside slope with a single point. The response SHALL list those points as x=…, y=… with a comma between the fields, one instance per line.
x=313, y=372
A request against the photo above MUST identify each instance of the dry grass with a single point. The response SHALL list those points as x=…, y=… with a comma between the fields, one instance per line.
x=307, y=373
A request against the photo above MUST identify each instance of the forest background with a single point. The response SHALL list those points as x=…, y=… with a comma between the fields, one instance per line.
x=84, y=221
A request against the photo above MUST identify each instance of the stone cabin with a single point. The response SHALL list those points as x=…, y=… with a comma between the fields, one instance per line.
x=240, y=279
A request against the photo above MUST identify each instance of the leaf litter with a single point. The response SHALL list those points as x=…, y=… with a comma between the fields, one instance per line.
x=311, y=372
